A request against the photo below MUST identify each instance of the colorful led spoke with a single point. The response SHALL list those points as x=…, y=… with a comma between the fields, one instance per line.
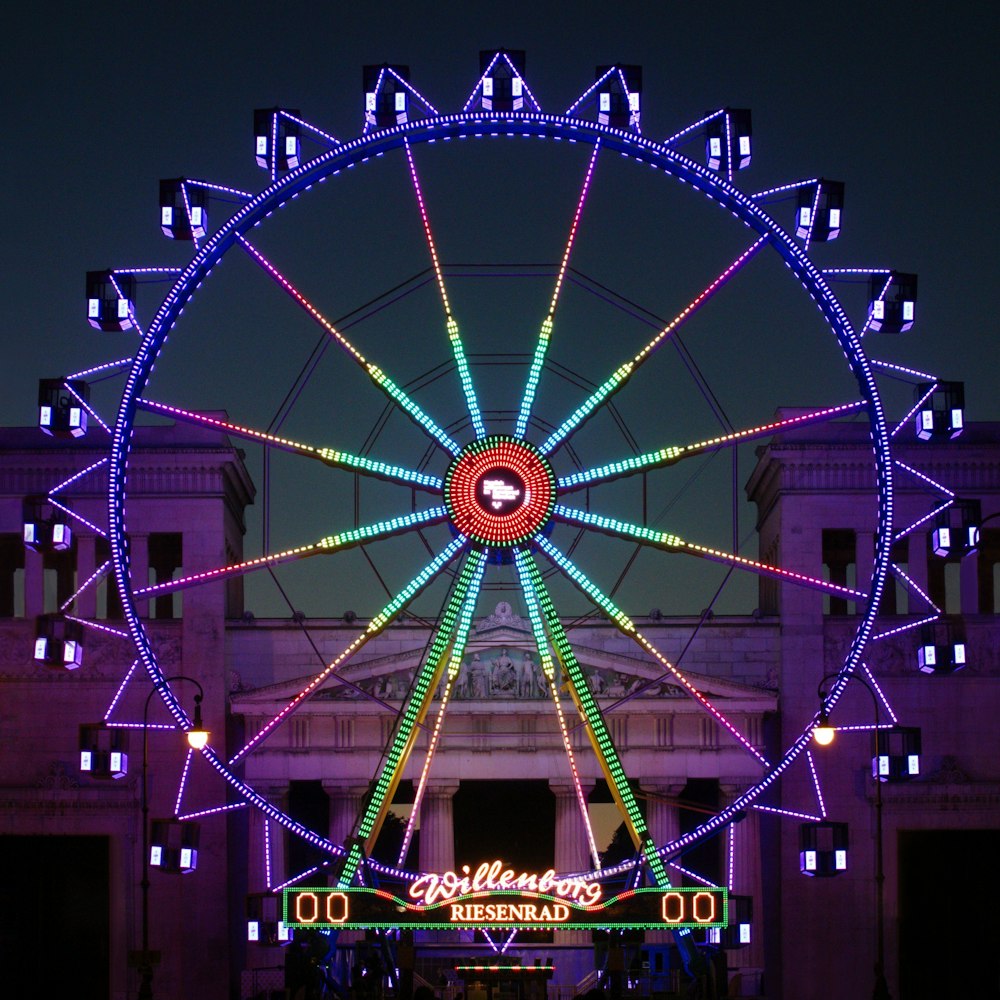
x=339, y=459
x=625, y=371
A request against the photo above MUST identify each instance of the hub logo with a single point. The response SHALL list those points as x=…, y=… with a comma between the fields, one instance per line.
x=500, y=491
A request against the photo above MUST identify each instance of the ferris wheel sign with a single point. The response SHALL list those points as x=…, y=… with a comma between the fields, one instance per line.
x=360, y=908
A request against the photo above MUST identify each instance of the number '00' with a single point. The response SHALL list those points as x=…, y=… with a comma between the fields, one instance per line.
x=675, y=911
x=309, y=909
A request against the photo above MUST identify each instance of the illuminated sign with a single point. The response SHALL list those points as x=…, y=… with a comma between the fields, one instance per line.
x=360, y=908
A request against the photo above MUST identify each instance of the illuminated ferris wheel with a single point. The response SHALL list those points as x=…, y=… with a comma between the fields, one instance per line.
x=523, y=455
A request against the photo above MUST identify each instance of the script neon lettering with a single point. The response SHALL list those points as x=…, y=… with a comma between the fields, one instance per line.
x=528, y=913
x=493, y=875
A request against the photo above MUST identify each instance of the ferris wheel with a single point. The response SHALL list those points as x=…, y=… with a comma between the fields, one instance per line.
x=534, y=389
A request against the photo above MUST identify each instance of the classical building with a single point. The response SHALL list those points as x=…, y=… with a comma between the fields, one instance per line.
x=71, y=842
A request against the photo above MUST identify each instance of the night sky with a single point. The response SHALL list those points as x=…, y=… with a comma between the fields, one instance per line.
x=104, y=99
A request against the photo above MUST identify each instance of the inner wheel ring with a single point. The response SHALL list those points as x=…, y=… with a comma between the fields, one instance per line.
x=500, y=491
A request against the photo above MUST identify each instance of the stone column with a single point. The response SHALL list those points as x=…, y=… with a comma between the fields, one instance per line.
x=138, y=551
x=969, y=581
x=34, y=585
x=572, y=848
x=437, y=829
x=747, y=876
x=86, y=603
x=345, y=806
x=257, y=855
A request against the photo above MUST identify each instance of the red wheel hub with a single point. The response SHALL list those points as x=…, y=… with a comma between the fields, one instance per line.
x=500, y=491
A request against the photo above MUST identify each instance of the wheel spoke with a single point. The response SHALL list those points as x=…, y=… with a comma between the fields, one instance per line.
x=385, y=617
x=625, y=371
x=450, y=322
x=673, y=543
x=534, y=589
x=418, y=701
x=627, y=626
x=329, y=456
x=379, y=377
x=545, y=334
x=329, y=544
x=675, y=453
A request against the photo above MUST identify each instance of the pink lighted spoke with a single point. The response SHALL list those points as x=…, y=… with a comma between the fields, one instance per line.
x=384, y=618
x=93, y=578
x=544, y=335
x=329, y=456
x=675, y=453
x=76, y=477
x=624, y=372
x=376, y=374
x=183, y=782
x=816, y=786
x=325, y=546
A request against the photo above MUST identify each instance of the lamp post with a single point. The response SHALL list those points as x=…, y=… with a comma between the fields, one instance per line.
x=823, y=734
x=197, y=738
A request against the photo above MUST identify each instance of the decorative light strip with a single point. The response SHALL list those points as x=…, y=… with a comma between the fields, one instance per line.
x=628, y=627
x=330, y=456
x=77, y=476
x=812, y=218
x=916, y=524
x=548, y=669
x=123, y=297
x=452, y=326
x=671, y=454
x=165, y=726
x=97, y=369
x=415, y=709
x=783, y=188
x=524, y=83
x=375, y=626
x=881, y=298
x=863, y=272
x=100, y=571
x=222, y=189
x=77, y=517
x=692, y=128
x=572, y=108
x=165, y=272
x=376, y=374
x=121, y=689
x=673, y=543
x=214, y=811
x=815, y=781
x=625, y=371
x=913, y=409
x=915, y=587
x=927, y=479
x=906, y=628
x=729, y=147
x=331, y=543
x=544, y=335
x=85, y=405
x=881, y=694
x=332, y=139
x=413, y=91
x=268, y=879
x=97, y=626
x=476, y=89
x=790, y=813
x=183, y=782
x=455, y=663
x=695, y=877
x=731, y=866
x=922, y=376
x=870, y=727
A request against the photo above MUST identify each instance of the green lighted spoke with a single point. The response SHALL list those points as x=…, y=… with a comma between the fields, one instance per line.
x=450, y=322
x=454, y=624
x=607, y=755
x=674, y=453
x=329, y=456
x=624, y=372
x=674, y=543
x=379, y=377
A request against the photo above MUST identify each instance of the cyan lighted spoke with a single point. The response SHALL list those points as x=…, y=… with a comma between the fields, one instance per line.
x=379, y=377
x=674, y=543
x=329, y=456
x=450, y=322
x=674, y=453
x=533, y=585
x=378, y=623
x=414, y=712
x=545, y=334
x=625, y=371
x=627, y=626
x=325, y=546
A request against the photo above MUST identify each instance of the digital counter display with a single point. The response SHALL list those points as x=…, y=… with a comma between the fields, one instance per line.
x=360, y=908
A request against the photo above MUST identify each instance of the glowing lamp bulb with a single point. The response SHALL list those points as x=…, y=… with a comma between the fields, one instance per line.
x=197, y=738
x=823, y=732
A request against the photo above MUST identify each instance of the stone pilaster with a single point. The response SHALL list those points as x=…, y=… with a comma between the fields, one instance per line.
x=437, y=829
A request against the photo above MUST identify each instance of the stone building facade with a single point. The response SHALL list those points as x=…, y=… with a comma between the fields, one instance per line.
x=189, y=491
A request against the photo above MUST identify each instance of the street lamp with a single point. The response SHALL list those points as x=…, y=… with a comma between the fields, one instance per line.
x=823, y=734
x=197, y=737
